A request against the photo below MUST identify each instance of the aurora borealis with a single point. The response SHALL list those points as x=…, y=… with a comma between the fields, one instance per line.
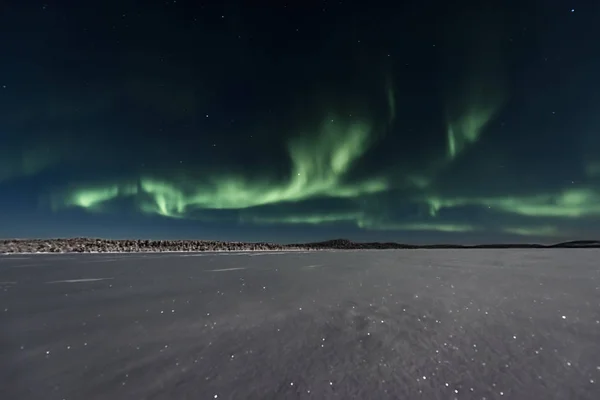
x=425, y=123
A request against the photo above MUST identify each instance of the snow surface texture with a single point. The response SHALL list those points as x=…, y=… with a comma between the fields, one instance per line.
x=443, y=324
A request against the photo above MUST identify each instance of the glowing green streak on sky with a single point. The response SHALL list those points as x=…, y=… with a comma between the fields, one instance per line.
x=436, y=227
x=92, y=198
x=364, y=221
x=319, y=166
x=593, y=169
x=472, y=105
x=466, y=129
x=28, y=162
x=361, y=220
x=571, y=203
x=382, y=225
x=419, y=181
x=533, y=231
x=451, y=142
x=391, y=101
x=306, y=219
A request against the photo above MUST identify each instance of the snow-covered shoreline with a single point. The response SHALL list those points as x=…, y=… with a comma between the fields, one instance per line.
x=109, y=246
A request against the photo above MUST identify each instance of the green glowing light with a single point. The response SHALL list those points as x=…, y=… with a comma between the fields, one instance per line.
x=465, y=129
x=307, y=219
x=391, y=99
x=319, y=167
x=27, y=162
x=361, y=220
x=570, y=203
x=593, y=169
x=92, y=198
x=533, y=231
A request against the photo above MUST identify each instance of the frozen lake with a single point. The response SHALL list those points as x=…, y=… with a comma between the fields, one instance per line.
x=397, y=324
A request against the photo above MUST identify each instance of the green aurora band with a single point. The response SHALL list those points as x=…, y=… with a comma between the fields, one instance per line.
x=322, y=163
x=320, y=167
x=570, y=203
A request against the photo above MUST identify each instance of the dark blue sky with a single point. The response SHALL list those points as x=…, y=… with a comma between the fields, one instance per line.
x=426, y=122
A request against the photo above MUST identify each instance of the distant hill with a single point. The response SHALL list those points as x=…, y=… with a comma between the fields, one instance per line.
x=578, y=243
x=348, y=244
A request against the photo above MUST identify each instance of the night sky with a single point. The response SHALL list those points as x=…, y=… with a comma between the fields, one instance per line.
x=432, y=121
